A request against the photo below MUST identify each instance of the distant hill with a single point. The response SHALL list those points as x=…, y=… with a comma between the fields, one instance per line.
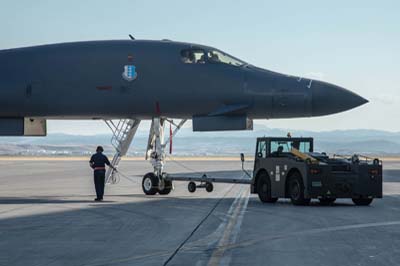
x=188, y=143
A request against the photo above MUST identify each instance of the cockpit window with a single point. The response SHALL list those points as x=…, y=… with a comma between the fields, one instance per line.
x=199, y=56
x=193, y=56
x=219, y=57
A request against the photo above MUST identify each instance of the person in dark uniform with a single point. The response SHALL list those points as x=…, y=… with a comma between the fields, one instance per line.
x=98, y=163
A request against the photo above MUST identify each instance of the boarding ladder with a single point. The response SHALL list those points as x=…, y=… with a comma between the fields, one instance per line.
x=123, y=131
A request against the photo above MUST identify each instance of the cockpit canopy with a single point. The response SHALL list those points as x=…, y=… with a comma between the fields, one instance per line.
x=200, y=56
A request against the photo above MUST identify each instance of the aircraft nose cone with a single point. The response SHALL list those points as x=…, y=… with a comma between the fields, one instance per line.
x=330, y=99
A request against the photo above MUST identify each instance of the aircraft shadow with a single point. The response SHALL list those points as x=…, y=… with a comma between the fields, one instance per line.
x=129, y=233
x=133, y=233
x=44, y=200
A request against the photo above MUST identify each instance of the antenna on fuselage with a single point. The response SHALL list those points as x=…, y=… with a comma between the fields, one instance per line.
x=132, y=38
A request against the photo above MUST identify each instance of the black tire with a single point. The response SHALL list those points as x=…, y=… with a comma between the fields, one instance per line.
x=209, y=187
x=150, y=184
x=264, y=188
x=192, y=187
x=362, y=201
x=296, y=190
x=326, y=201
x=167, y=188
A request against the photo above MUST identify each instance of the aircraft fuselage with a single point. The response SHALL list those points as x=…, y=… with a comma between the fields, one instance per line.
x=89, y=80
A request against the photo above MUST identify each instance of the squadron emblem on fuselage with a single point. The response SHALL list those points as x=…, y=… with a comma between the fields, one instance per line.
x=129, y=73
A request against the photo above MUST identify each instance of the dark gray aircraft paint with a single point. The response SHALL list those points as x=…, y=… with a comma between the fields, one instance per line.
x=143, y=79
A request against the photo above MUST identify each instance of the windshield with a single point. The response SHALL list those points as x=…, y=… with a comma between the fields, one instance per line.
x=219, y=57
x=286, y=146
x=199, y=56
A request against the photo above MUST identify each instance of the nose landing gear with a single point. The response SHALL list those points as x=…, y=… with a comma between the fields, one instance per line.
x=151, y=184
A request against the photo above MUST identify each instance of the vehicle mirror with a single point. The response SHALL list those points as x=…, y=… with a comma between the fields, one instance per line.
x=242, y=157
x=259, y=155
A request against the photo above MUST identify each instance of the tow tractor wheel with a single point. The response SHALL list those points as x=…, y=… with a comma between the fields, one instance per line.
x=296, y=190
x=166, y=188
x=362, y=201
x=264, y=189
x=326, y=201
x=150, y=184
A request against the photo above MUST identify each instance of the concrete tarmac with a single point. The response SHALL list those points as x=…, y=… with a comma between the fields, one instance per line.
x=48, y=217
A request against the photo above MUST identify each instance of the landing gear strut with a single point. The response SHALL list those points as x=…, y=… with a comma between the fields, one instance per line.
x=156, y=153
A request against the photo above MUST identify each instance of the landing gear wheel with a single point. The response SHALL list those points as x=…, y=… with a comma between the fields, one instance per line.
x=296, y=190
x=264, y=189
x=326, y=201
x=166, y=188
x=209, y=187
x=362, y=201
x=150, y=184
x=192, y=186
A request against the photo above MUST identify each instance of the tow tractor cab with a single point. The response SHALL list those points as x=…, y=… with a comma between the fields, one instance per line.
x=289, y=168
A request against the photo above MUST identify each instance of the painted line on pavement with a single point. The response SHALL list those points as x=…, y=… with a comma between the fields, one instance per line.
x=222, y=255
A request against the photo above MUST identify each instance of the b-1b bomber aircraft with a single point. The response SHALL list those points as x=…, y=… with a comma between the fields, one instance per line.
x=126, y=81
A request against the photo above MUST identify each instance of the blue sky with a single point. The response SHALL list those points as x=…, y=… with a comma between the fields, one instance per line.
x=355, y=44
